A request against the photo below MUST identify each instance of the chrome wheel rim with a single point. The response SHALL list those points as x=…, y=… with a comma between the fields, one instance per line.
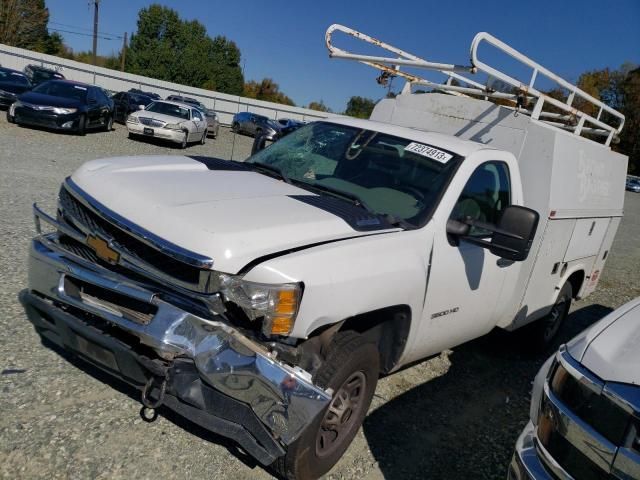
x=342, y=414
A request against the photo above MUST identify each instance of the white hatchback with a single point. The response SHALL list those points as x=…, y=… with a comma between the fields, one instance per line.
x=168, y=120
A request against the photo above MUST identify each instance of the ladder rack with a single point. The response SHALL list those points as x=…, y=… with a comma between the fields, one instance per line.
x=571, y=118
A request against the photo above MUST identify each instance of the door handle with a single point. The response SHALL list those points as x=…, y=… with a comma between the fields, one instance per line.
x=503, y=262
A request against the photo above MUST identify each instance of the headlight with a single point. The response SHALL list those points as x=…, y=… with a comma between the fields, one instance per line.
x=538, y=389
x=277, y=304
x=132, y=119
x=173, y=126
x=64, y=111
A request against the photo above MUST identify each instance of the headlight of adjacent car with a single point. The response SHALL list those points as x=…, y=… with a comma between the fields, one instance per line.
x=277, y=304
x=173, y=126
x=132, y=119
x=538, y=389
x=64, y=111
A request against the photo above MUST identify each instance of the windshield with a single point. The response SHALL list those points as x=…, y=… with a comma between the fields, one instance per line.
x=392, y=175
x=169, y=109
x=61, y=89
x=13, y=77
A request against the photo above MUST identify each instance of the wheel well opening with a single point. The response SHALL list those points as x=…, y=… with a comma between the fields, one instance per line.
x=388, y=328
x=576, y=280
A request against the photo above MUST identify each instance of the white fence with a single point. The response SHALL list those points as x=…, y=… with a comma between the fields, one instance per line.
x=226, y=105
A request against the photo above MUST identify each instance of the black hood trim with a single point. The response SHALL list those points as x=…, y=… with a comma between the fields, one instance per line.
x=357, y=217
x=213, y=163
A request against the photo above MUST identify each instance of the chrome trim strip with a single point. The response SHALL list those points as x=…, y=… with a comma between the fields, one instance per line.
x=580, y=434
x=283, y=397
x=579, y=372
x=626, y=397
x=154, y=241
x=39, y=214
x=549, y=462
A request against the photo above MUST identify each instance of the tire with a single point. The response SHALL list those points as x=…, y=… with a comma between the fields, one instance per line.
x=10, y=119
x=541, y=334
x=203, y=140
x=82, y=126
x=109, y=124
x=133, y=136
x=351, y=369
x=235, y=128
x=184, y=142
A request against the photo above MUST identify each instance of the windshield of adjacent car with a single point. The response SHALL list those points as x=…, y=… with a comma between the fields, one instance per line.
x=169, y=109
x=63, y=89
x=13, y=77
x=392, y=175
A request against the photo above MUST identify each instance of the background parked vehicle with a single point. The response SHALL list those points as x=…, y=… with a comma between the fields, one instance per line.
x=126, y=103
x=213, y=125
x=63, y=105
x=172, y=121
x=152, y=95
x=38, y=75
x=12, y=84
x=633, y=185
x=585, y=406
x=254, y=125
x=288, y=125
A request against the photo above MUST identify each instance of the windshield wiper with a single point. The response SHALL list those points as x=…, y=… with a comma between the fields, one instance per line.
x=268, y=168
x=355, y=199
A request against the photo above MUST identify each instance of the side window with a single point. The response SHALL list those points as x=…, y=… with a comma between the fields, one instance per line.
x=484, y=197
x=197, y=115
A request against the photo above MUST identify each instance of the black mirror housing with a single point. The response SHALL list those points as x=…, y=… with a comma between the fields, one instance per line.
x=514, y=236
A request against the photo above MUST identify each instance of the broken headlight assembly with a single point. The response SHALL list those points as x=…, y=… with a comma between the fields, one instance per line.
x=277, y=304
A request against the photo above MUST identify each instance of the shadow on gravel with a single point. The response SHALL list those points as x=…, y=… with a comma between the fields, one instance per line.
x=465, y=423
x=169, y=415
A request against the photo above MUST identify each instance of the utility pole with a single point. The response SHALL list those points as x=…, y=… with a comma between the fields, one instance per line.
x=95, y=30
x=124, y=52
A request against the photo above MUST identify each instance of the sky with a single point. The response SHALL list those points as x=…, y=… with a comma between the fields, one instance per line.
x=284, y=40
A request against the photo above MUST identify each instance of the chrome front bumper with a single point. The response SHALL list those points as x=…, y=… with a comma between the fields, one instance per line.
x=161, y=133
x=526, y=463
x=282, y=397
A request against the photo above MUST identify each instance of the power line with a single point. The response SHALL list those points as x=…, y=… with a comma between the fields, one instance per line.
x=85, y=34
x=76, y=27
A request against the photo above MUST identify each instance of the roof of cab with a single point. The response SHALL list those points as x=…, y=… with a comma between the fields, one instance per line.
x=447, y=142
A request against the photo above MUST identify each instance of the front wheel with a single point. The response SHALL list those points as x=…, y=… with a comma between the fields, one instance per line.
x=108, y=124
x=10, y=119
x=183, y=143
x=82, y=126
x=203, y=140
x=543, y=332
x=351, y=370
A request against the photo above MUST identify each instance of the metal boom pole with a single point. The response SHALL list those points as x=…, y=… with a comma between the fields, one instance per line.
x=95, y=31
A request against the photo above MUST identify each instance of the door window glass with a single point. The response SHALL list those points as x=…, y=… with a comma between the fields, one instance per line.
x=196, y=115
x=484, y=197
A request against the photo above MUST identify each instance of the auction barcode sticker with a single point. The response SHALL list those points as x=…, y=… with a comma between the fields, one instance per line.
x=427, y=151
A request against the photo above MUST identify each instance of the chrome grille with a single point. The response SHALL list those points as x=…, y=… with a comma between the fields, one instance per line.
x=151, y=122
x=79, y=216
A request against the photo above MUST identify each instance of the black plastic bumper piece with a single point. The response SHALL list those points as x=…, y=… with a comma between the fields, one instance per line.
x=186, y=393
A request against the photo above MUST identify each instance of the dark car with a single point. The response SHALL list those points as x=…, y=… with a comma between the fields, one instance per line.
x=125, y=103
x=288, y=125
x=213, y=124
x=38, y=75
x=255, y=125
x=12, y=84
x=151, y=95
x=63, y=105
x=633, y=185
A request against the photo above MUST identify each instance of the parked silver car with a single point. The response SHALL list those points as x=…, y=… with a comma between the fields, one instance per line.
x=213, y=124
x=255, y=125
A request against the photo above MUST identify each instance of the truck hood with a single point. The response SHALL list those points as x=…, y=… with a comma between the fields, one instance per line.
x=231, y=215
x=611, y=347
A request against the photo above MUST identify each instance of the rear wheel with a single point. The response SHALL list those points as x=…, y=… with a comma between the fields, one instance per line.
x=351, y=369
x=541, y=334
x=10, y=119
x=108, y=124
x=235, y=127
x=203, y=140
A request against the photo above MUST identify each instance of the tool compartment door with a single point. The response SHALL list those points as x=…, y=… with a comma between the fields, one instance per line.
x=587, y=237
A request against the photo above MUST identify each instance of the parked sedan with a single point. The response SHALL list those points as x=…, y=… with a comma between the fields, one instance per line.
x=153, y=96
x=126, y=103
x=288, y=125
x=172, y=121
x=213, y=124
x=12, y=84
x=633, y=184
x=63, y=105
x=255, y=125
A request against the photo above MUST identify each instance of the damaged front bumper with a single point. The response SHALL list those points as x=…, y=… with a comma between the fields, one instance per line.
x=214, y=375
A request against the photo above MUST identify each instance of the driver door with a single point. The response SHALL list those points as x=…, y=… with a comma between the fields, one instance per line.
x=198, y=124
x=465, y=279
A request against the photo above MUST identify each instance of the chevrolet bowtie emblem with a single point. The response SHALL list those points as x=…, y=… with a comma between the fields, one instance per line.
x=103, y=250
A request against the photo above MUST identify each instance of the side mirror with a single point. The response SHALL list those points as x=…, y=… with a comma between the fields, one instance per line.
x=516, y=229
x=511, y=239
x=259, y=143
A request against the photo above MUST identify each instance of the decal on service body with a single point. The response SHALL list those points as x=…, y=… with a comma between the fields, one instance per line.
x=429, y=152
x=445, y=312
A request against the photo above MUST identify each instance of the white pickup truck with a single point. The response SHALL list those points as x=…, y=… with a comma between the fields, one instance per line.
x=263, y=299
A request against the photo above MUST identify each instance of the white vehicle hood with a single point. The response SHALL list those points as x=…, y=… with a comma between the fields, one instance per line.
x=611, y=347
x=158, y=116
x=233, y=217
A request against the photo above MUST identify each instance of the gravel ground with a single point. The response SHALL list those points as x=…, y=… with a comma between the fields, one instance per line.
x=455, y=416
